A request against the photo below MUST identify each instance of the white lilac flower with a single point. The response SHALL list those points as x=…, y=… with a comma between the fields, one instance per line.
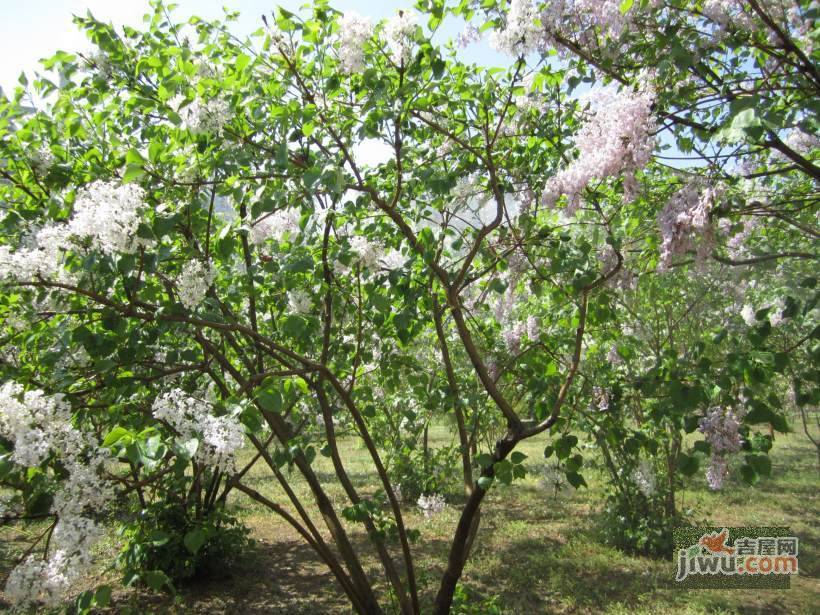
x=299, y=302
x=614, y=357
x=40, y=426
x=511, y=334
x=281, y=224
x=600, y=398
x=521, y=34
x=431, y=504
x=46, y=582
x=643, y=476
x=728, y=14
x=367, y=253
x=109, y=215
x=586, y=18
x=193, y=283
x=219, y=436
x=748, y=315
x=532, y=328
x=102, y=63
x=354, y=31
x=400, y=33
x=721, y=427
x=106, y=217
x=393, y=259
x=42, y=159
x=801, y=141
x=208, y=117
x=776, y=313
x=737, y=245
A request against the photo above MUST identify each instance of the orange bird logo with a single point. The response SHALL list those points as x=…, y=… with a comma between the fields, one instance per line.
x=715, y=542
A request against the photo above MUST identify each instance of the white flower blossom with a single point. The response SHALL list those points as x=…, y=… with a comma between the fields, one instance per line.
x=193, y=283
x=354, y=31
x=521, y=34
x=102, y=63
x=801, y=141
x=206, y=117
x=468, y=36
x=392, y=260
x=281, y=224
x=728, y=14
x=106, y=216
x=42, y=159
x=600, y=397
x=748, y=315
x=109, y=215
x=776, y=313
x=431, y=504
x=219, y=436
x=644, y=478
x=39, y=426
x=299, y=302
x=590, y=20
x=717, y=472
x=720, y=428
x=400, y=32
x=367, y=253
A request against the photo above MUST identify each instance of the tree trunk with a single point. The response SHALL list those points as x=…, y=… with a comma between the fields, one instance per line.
x=467, y=527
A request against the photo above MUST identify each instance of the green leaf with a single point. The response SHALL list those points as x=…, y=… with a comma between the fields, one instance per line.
x=270, y=400
x=115, y=435
x=133, y=172
x=156, y=579
x=688, y=464
x=574, y=463
x=576, y=480
x=186, y=449
x=102, y=597
x=744, y=126
x=134, y=157
x=194, y=540
x=484, y=460
x=158, y=538
x=294, y=326
x=702, y=446
x=241, y=62
x=625, y=6
x=564, y=445
x=517, y=457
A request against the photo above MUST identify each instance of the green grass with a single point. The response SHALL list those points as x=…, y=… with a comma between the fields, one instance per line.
x=537, y=551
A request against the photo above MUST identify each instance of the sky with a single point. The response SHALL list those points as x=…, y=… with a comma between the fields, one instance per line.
x=35, y=29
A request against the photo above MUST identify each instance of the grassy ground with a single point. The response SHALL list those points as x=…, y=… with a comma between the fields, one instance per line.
x=537, y=551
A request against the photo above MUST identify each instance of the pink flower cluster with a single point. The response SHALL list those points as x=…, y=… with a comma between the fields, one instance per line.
x=584, y=17
x=684, y=223
x=616, y=140
x=720, y=428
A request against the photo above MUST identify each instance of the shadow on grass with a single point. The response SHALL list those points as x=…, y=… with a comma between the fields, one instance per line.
x=280, y=578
